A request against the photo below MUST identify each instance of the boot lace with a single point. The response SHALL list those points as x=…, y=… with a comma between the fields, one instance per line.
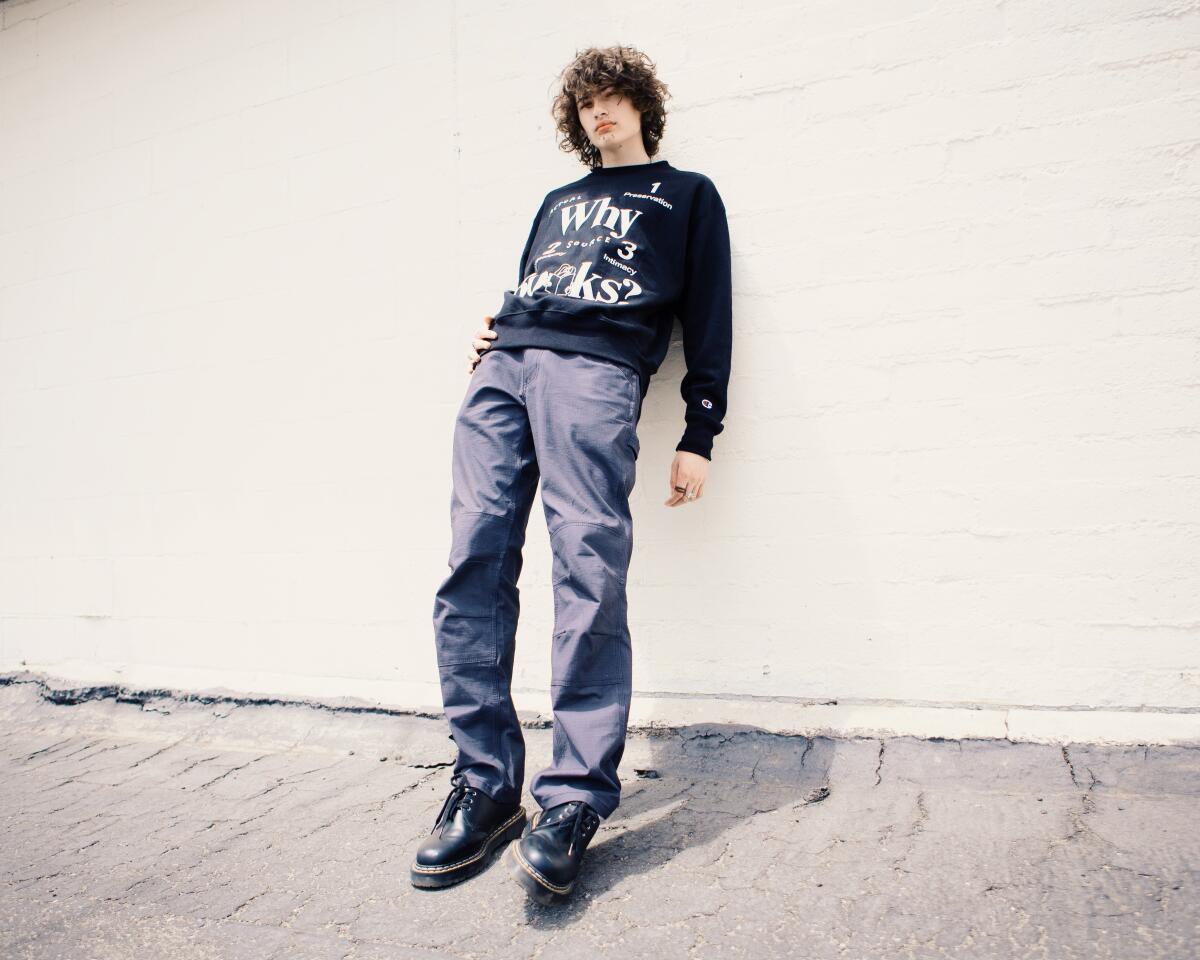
x=584, y=823
x=461, y=795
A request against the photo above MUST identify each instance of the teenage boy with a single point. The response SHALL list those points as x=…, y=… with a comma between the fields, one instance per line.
x=558, y=377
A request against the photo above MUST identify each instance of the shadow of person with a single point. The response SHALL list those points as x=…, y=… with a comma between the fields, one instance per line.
x=701, y=782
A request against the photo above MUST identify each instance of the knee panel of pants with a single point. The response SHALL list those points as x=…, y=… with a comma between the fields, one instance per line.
x=590, y=659
x=465, y=608
x=591, y=632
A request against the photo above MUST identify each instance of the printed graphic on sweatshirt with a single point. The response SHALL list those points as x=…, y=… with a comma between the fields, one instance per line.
x=589, y=249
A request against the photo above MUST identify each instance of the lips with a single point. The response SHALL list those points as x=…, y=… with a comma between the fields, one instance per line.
x=605, y=127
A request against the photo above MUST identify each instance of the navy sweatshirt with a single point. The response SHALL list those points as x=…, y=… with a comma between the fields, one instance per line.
x=611, y=260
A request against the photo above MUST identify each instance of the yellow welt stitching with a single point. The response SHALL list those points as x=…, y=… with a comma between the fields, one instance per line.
x=500, y=829
x=537, y=876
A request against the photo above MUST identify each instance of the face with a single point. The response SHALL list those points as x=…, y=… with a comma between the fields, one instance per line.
x=609, y=118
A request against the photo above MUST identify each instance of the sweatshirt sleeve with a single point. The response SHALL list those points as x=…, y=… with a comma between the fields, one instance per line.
x=533, y=229
x=705, y=312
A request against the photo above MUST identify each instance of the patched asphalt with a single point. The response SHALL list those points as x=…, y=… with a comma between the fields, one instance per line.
x=152, y=824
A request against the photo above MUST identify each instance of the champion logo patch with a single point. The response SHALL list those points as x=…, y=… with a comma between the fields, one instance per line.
x=706, y=403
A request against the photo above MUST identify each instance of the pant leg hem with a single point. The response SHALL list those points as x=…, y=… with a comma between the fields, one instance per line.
x=605, y=808
x=489, y=791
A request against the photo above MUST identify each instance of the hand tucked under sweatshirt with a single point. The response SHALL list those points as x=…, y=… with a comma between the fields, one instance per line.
x=611, y=260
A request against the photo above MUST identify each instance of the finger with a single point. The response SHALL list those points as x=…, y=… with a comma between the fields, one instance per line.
x=489, y=320
x=673, y=495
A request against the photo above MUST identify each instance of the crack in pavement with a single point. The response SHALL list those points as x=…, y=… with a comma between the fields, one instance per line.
x=305, y=845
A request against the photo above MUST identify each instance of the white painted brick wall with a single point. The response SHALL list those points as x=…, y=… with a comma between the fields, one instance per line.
x=243, y=244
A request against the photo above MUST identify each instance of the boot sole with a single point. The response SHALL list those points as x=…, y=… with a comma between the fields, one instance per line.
x=450, y=874
x=534, y=884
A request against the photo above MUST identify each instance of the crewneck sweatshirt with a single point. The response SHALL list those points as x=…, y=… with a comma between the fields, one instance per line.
x=611, y=260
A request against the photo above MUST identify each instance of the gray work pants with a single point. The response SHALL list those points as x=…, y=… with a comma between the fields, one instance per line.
x=570, y=419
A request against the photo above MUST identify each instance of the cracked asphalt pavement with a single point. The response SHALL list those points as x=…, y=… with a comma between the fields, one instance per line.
x=207, y=826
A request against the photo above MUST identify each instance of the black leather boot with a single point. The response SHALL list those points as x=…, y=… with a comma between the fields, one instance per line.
x=547, y=859
x=470, y=827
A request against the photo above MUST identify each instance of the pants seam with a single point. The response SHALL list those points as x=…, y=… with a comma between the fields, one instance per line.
x=515, y=510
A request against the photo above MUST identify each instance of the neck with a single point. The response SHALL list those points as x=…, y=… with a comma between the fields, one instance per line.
x=624, y=158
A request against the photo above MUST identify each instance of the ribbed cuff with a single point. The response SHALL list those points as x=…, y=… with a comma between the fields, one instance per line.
x=697, y=439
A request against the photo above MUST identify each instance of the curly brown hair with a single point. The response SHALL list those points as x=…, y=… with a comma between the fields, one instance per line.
x=627, y=71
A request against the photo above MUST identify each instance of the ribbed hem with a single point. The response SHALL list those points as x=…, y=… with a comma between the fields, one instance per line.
x=697, y=439
x=652, y=165
x=514, y=338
